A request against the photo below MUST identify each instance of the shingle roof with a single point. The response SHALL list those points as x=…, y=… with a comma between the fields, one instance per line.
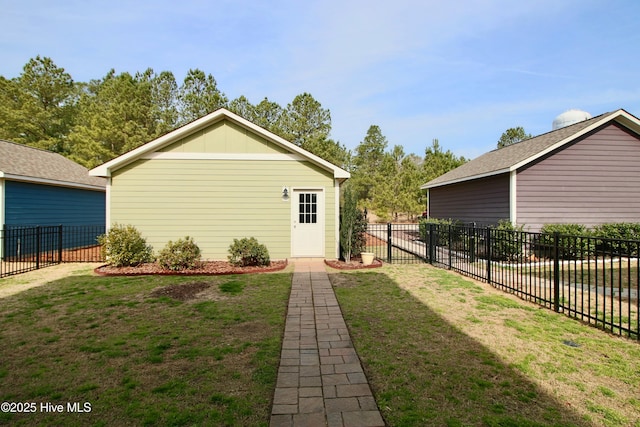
x=513, y=156
x=18, y=161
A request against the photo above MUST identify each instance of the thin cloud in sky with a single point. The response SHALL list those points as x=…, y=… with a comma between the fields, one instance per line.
x=462, y=72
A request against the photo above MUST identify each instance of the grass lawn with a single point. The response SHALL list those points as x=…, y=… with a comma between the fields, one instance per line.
x=443, y=350
x=201, y=350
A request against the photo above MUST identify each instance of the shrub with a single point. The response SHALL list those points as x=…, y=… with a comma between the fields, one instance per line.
x=573, y=241
x=124, y=246
x=506, y=241
x=353, y=227
x=621, y=231
x=184, y=254
x=442, y=238
x=248, y=251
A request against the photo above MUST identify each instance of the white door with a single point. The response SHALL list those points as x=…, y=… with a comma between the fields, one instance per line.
x=307, y=221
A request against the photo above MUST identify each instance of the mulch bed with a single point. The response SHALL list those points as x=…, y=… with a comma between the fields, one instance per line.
x=205, y=268
x=354, y=264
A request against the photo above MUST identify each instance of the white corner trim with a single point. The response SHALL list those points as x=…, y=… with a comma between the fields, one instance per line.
x=513, y=197
x=172, y=155
x=336, y=187
x=1, y=206
x=107, y=206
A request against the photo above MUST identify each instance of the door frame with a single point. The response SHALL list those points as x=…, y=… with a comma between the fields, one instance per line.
x=321, y=218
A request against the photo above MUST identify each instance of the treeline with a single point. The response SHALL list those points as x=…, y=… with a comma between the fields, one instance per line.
x=93, y=122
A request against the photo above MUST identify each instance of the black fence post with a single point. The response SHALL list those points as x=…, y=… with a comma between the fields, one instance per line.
x=472, y=244
x=449, y=248
x=389, y=242
x=430, y=243
x=38, y=237
x=489, y=254
x=59, y=243
x=556, y=271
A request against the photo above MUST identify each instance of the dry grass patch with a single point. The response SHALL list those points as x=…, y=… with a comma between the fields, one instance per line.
x=441, y=349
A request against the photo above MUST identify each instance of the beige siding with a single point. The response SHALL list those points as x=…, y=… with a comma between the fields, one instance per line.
x=224, y=137
x=215, y=201
x=592, y=181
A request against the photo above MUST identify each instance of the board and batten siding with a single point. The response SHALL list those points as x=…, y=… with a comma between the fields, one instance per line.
x=592, y=181
x=216, y=201
x=483, y=201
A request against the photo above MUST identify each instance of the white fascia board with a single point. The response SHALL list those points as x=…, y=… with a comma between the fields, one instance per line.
x=36, y=180
x=106, y=168
x=468, y=178
x=160, y=155
x=615, y=117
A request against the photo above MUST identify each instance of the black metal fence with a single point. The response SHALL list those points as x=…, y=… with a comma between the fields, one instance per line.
x=29, y=248
x=595, y=280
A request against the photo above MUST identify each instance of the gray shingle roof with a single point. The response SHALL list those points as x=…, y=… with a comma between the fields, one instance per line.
x=504, y=159
x=22, y=162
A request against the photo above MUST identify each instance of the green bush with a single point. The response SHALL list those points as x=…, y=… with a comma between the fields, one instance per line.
x=184, y=254
x=124, y=246
x=506, y=241
x=440, y=224
x=574, y=241
x=248, y=251
x=621, y=231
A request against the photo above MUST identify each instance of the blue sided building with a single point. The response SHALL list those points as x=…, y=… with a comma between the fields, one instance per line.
x=42, y=188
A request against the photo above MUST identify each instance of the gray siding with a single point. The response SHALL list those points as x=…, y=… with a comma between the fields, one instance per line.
x=484, y=201
x=593, y=181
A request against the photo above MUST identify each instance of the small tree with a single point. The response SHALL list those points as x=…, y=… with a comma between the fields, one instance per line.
x=513, y=136
x=353, y=227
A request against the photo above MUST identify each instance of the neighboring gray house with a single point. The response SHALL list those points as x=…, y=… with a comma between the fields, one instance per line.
x=586, y=173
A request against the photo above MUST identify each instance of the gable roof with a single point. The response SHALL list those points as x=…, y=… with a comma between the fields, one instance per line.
x=221, y=114
x=20, y=162
x=513, y=157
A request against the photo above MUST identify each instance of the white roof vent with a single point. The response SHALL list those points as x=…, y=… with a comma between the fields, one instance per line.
x=570, y=117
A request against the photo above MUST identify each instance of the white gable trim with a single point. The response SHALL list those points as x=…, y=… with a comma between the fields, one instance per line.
x=222, y=156
x=621, y=117
x=631, y=122
x=107, y=168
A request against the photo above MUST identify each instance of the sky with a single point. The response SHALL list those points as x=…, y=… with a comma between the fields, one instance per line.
x=461, y=71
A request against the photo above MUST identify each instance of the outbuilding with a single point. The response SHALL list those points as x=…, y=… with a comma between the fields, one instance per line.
x=222, y=178
x=587, y=173
x=39, y=187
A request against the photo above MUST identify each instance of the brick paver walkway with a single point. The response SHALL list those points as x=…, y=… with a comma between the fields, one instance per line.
x=320, y=379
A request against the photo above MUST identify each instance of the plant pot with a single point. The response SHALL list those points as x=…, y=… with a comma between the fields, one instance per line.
x=367, y=258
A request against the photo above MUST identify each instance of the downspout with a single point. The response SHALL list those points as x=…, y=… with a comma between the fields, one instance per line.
x=336, y=189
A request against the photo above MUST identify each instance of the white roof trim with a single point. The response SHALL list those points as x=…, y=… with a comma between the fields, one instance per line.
x=620, y=116
x=455, y=181
x=47, y=181
x=172, y=155
x=107, y=168
x=590, y=128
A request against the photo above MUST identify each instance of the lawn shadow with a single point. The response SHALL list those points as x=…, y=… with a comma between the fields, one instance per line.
x=424, y=370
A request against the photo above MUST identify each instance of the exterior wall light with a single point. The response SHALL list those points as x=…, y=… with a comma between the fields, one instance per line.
x=285, y=193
